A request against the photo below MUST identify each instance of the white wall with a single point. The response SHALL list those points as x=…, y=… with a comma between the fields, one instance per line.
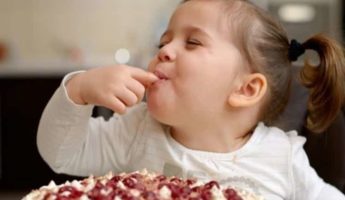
x=43, y=30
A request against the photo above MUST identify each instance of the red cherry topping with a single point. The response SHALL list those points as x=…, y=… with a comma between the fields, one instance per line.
x=210, y=185
x=149, y=195
x=231, y=194
x=129, y=182
x=139, y=187
x=72, y=192
x=161, y=178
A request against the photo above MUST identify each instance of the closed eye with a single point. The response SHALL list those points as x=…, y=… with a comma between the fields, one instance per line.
x=193, y=42
x=188, y=42
x=161, y=45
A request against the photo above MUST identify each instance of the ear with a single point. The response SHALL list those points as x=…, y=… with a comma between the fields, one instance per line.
x=250, y=92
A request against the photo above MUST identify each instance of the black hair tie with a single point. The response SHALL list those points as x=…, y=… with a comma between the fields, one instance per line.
x=296, y=49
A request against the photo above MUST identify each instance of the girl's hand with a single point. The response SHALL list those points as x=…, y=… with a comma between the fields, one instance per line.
x=114, y=87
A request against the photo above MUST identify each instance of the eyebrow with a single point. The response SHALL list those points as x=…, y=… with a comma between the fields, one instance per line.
x=190, y=29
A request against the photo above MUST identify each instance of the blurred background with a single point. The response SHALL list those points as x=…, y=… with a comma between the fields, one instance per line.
x=58, y=36
x=41, y=40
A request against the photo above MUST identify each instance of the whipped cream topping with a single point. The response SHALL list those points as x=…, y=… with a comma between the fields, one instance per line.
x=140, y=186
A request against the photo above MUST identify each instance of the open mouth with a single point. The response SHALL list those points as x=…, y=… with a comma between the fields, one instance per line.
x=160, y=75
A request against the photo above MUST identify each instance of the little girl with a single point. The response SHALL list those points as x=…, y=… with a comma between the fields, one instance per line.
x=219, y=80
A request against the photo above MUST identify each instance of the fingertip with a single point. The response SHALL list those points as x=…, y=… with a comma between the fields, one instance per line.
x=117, y=106
x=153, y=76
x=144, y=76
x=121, y=110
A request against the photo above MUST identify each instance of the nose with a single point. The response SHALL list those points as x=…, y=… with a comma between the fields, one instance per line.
x=167, y=53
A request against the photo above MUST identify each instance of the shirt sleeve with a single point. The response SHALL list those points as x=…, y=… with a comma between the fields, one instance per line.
x=306, y=182
x=73, y=142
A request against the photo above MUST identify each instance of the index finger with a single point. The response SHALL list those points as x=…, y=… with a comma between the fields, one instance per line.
x=144, y=77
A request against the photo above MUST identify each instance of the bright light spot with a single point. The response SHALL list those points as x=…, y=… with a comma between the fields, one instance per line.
x=297, y=13
x=122, y=56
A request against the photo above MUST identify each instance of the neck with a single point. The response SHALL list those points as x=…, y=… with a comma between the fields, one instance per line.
x=221, y=135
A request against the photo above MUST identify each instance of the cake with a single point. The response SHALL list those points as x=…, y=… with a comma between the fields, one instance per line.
x=138, y=186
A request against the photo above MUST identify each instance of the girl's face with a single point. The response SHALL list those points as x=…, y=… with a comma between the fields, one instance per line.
x=198, y=66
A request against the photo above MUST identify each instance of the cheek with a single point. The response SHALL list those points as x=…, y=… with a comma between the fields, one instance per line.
x=194, y=86
x=152, y=64
x=213, y=84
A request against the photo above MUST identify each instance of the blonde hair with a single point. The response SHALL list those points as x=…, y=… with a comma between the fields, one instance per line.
x=263, y=42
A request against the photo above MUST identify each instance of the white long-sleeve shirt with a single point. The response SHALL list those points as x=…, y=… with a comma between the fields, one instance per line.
x=272, y=163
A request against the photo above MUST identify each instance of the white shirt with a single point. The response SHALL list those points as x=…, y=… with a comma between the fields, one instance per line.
x=272, y=163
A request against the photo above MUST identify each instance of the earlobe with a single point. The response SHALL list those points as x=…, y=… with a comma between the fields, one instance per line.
x=252, y=91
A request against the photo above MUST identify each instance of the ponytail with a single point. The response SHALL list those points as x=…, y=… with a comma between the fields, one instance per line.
x=326, y=82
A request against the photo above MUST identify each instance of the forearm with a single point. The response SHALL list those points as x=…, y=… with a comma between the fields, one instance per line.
x=72, y=142
x=62, y=130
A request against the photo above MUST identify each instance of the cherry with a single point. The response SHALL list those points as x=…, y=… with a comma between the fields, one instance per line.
x=185, y=191
x=111, y=184
x=196, y=189
x=116, y=179
x=161, y=178
x=140, y=187
x=163, y=184
x=231, y=194
x=126, y=196
x=176, y=180
x=119, y=192
x=149, y=195
x=129, y=182
x=73, y=192
x=210, y=185
x=96, y=191
x=206, y=195
x=99, y=185
x=190, y=182
x=136, y=176
x=175, y=191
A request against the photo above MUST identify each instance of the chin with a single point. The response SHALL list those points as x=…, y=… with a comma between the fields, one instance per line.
x=155, y=109
x=160, y=112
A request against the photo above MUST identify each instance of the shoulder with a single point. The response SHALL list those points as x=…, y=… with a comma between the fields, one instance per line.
x=276, y=135
x=274, y=142
x=282, y=154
